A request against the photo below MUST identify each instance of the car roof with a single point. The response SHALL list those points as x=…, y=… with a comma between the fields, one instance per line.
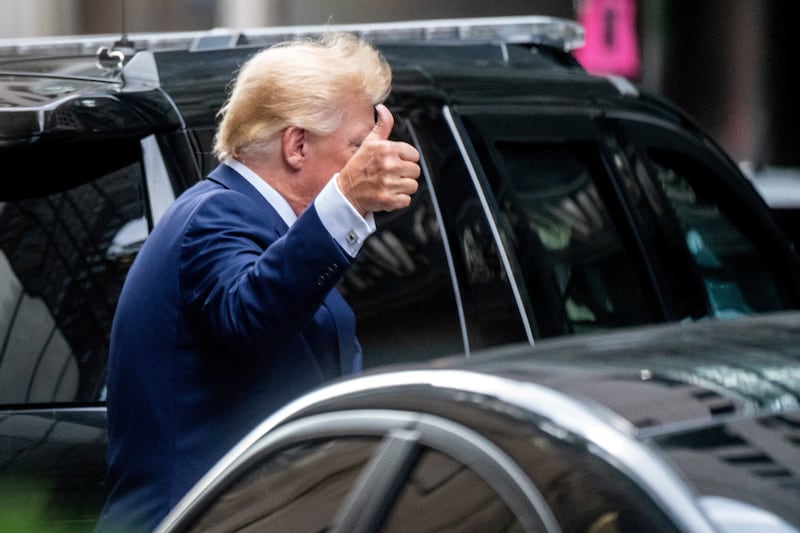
x=657, y=380
x=141, y=80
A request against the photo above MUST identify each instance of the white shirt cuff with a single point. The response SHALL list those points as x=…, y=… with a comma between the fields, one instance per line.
x=340, y=218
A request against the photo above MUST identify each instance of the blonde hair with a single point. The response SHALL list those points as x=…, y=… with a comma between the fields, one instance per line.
x=301, y=83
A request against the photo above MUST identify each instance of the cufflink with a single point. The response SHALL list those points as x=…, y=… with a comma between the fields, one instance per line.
x=352, y=237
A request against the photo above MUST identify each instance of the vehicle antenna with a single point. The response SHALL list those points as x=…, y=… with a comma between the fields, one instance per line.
x=124, y=44
x=122, y=19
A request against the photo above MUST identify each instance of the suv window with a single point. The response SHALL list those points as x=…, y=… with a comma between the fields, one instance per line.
x=400, y=286
x=713, y=244
x=64, y=251
x=204, y=150
x=576, y=267
x=736, y=277
x=494, y=312
x=443, y=494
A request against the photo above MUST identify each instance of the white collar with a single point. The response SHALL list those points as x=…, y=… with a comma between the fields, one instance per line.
x=272, y=196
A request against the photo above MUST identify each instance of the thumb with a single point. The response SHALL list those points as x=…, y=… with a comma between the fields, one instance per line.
x=384, y=124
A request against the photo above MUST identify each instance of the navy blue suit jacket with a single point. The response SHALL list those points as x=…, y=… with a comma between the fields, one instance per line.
x=225, y=316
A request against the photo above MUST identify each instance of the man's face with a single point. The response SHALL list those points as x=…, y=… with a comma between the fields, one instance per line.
x=327, y=154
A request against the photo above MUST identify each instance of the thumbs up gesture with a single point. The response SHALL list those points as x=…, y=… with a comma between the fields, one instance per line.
x=382, y=174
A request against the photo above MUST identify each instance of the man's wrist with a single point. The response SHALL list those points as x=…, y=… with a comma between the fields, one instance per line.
x=341, y=218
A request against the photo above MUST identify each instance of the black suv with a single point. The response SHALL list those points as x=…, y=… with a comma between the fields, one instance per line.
x=552, y=202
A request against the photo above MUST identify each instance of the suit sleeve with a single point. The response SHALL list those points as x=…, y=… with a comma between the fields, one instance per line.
x=249, y=286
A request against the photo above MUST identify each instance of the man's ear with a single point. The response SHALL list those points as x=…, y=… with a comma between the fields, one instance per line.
x=293, y=146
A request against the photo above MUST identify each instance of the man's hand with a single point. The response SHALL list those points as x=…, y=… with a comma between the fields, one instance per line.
x=382, y=174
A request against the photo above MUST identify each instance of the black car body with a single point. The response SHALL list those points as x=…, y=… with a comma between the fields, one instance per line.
x=667, y=428
x=552, y=203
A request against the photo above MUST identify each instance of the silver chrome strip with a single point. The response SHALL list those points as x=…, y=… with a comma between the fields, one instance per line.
x=606, y=434
x=444, y=435
x=625, y=87
x=501, y=458
x=445, y=241
x=504, y=49
x=561, y=33
x=159, y=188
x=142, y=70
x=501, y=249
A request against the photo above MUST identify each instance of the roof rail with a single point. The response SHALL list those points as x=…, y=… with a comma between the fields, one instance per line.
x=549, y=31
x=553, y=32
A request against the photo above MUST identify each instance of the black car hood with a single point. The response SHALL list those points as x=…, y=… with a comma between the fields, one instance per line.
x=663, y=379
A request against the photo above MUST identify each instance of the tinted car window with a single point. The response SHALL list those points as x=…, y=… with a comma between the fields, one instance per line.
x=400, y=286
x=204, y=150
x=64, y=252
x=716, y=251
x=575, y=264
x=493, y=312
x=277, y=494
x=444, y=495
x=736, y=277
x=583, y=487
x=298, y=489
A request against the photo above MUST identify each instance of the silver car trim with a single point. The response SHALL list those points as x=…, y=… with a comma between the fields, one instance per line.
x=445, y=241
x=159, y=188
x=604, y=433
x=393, y=458
x=623, y=85
x=409, y=429
x=501, y=249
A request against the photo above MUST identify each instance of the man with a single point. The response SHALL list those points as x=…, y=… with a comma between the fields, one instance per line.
x=230, y=309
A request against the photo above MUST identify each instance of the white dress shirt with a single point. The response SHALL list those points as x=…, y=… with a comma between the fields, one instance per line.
x=340, y=218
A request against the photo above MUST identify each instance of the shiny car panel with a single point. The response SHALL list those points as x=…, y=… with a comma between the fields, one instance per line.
x=687, y=427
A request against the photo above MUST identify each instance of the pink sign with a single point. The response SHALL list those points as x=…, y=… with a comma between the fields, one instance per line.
x=611, y=42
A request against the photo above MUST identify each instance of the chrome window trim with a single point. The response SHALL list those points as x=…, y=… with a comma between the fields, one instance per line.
x=600, y=431
x=623, y=85
x=556, y=32
x=367, y=503
x=409, y=430
x=160, y=194
x=501, y=249
x=445, y=241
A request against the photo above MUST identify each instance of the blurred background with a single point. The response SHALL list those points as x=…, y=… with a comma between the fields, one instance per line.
x=730, y=64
